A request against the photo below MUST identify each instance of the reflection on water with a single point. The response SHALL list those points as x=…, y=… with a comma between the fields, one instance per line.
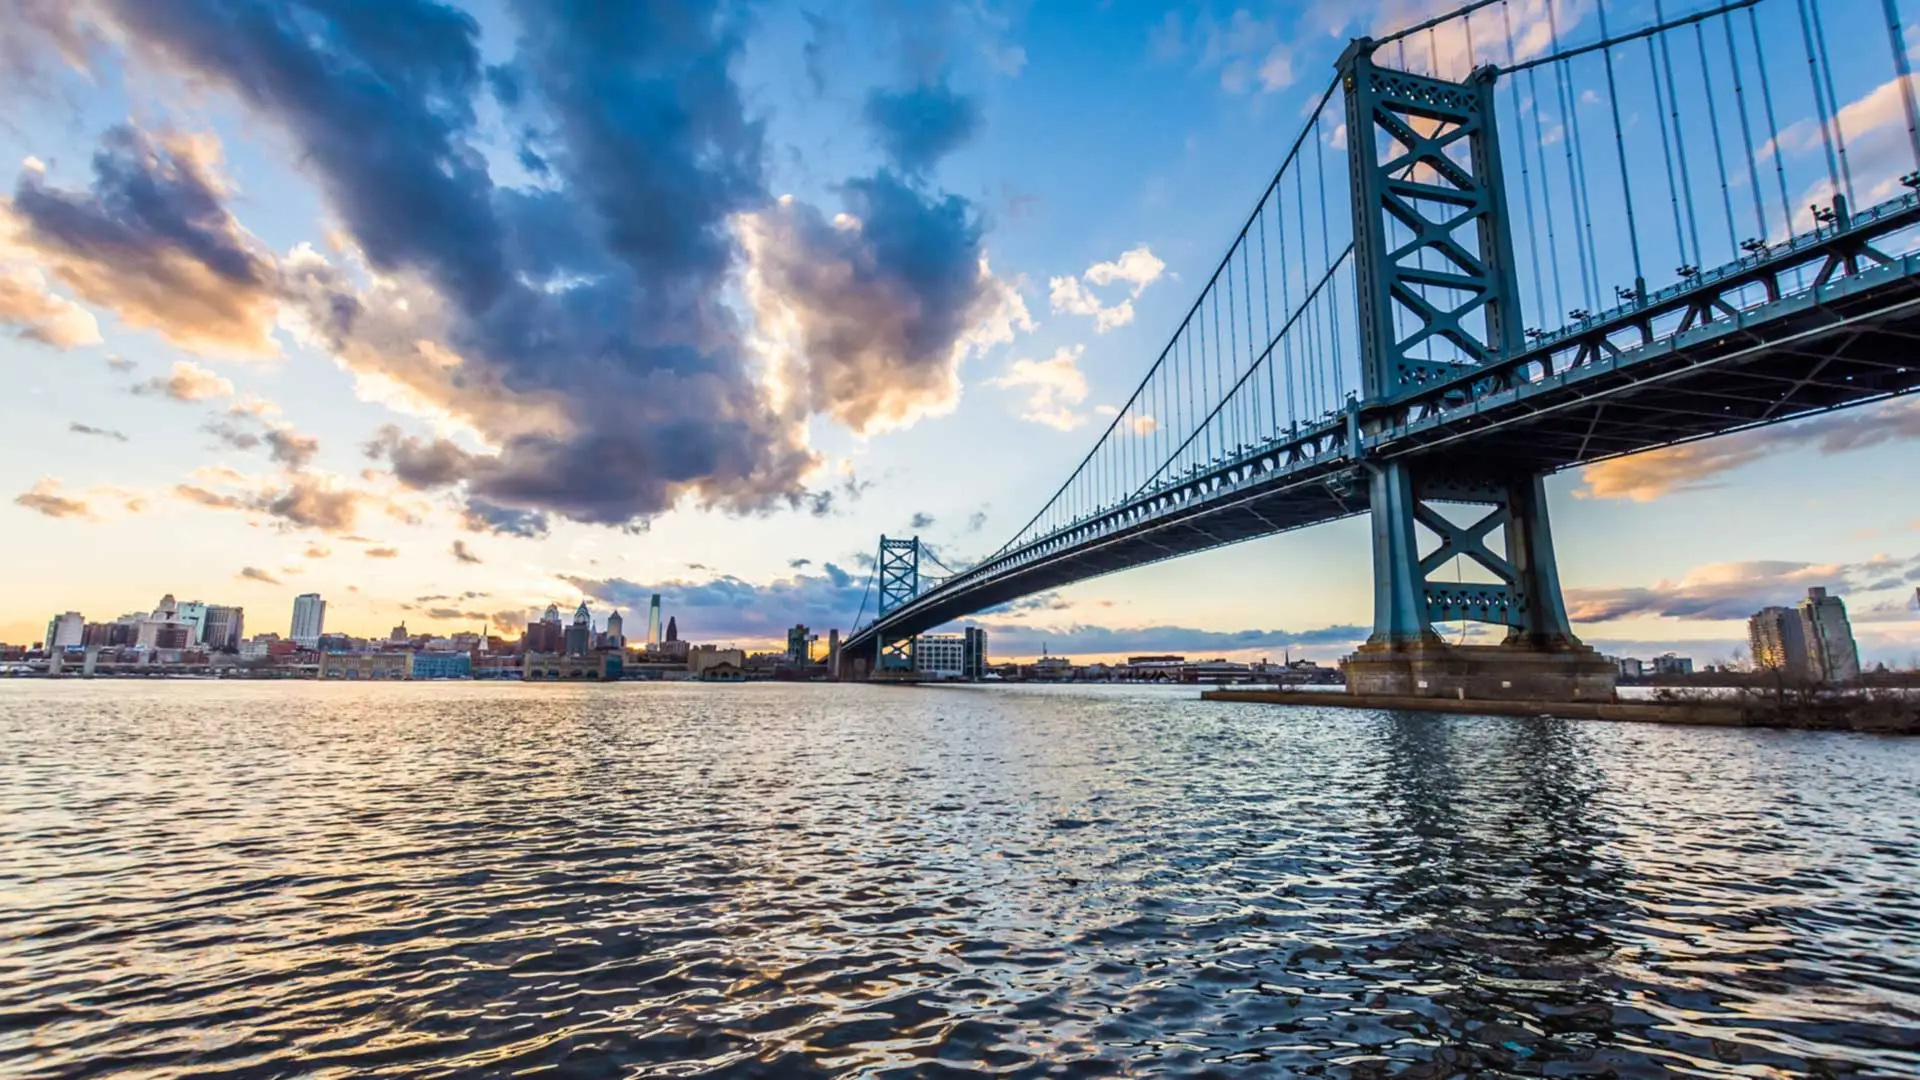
x=250, y=880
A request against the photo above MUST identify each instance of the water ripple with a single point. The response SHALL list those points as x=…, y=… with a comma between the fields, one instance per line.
x=249, y=880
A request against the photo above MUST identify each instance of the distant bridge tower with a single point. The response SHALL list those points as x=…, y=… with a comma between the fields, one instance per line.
x=899, y=580
x=1437, y=293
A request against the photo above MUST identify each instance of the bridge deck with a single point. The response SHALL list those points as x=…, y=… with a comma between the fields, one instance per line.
x=1843, y=341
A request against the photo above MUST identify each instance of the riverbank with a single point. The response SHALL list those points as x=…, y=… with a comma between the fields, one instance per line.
x=1887, y=715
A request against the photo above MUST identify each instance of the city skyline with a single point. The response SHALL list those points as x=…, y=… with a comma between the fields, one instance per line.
x=256, y=452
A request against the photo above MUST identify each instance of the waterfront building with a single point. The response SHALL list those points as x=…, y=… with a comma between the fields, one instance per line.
x=442, y=665
x=973, y=666
x=1832, y=655
x=1669, y=664
x=309, y=620
x=673, y=628
x=580, y=634
x=544, y=637
x=653, y=621
x=222, y=629
x=590, y=667
x=799, y=644
x=1630, y=668
x=66, y=629
x=616, y=631
x=1777, y=638
x=940, y=656
x=365, y=666
x=716, y=664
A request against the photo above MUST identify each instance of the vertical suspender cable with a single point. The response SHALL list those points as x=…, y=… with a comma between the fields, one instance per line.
x=1253, y=350
x=1311, y=361
x=1620, y=150
x=1773, y=124
x=1206, y=395
x=1326, y=256
x=1666, y=152
x=1218, y=401
x=1266, y=309
x=1526, y=179
x=1286, y=296
x=1571, y=136
x=1833, y=102
x=1719, y=149
x=1233, y=352
x=1546, y=195
x=1746, y=132
x=1904, y=72
x=1680, y=140
x=1819, y=99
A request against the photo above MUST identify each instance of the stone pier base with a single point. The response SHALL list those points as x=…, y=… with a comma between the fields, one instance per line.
x=1481, y=672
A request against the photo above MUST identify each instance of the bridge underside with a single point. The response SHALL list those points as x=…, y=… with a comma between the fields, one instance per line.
x=1854, y=341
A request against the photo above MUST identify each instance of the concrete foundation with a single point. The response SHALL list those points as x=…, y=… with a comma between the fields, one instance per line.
x=1433, y=669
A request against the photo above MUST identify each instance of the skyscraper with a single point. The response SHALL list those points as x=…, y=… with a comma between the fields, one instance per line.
x=580, y=634
x=1831, y=653
x=616, y=631
x=309, y=620
x=195, y=612
x=653, y=622
x=224, y=628
x=1779, y=642
x=673, y=628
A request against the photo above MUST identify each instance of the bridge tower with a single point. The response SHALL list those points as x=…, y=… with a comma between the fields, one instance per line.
x=1437, y=293
x=899, y=580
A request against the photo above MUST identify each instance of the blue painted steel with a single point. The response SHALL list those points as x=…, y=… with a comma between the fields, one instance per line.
x=899, y=570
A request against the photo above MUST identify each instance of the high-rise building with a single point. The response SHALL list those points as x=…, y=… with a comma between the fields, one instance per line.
x=309, y=620
x=1831, y=653
x=975, y=662
x=552, y=617
x=68, y=628
x=1779, y=642
x=799, y=648
x=673, y=628
x=616, y=631
x=653, y=622
x=940, y=656
x=580, y=634
x=195, y=613
x=223, y=628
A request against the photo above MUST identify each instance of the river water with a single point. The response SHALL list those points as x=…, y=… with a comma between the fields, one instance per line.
x=274, y=880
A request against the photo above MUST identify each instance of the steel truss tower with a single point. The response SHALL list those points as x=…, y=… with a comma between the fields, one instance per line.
x=899, y=580
x=1437, y=294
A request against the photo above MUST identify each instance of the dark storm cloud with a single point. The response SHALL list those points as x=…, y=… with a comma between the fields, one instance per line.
x=152, y=240
x=918, y=126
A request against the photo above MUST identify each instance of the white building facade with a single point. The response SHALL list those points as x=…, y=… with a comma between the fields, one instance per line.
x=309, y=619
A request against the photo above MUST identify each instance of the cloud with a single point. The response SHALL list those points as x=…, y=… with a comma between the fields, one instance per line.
x=1733, y=590
x=921, y=520
x=868, y=318
x=463, y=554
x=382, y=553
x=1053, y=386
x=152, y=241
x=79, y=428
x=254, y=573
x=918, y=126
x=483, y=516
x=795, y=564
x=120, y=365
x=1138, y=267
x=39, y=314
x=317, y=551
x=290, y=448
x=44, y=498
x=976, y=521
x=1655, y=473
x=1248, y=53
x=188, y=382
x=295, y=501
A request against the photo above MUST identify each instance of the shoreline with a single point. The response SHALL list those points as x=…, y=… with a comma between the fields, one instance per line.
x=1682, y=713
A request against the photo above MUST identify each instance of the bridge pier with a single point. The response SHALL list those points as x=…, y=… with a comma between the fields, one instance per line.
x=1506, y=540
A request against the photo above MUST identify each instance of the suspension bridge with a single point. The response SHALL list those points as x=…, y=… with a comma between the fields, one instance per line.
x=1712, y=237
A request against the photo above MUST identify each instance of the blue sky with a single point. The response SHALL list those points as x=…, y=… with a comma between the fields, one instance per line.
x=459, y=309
